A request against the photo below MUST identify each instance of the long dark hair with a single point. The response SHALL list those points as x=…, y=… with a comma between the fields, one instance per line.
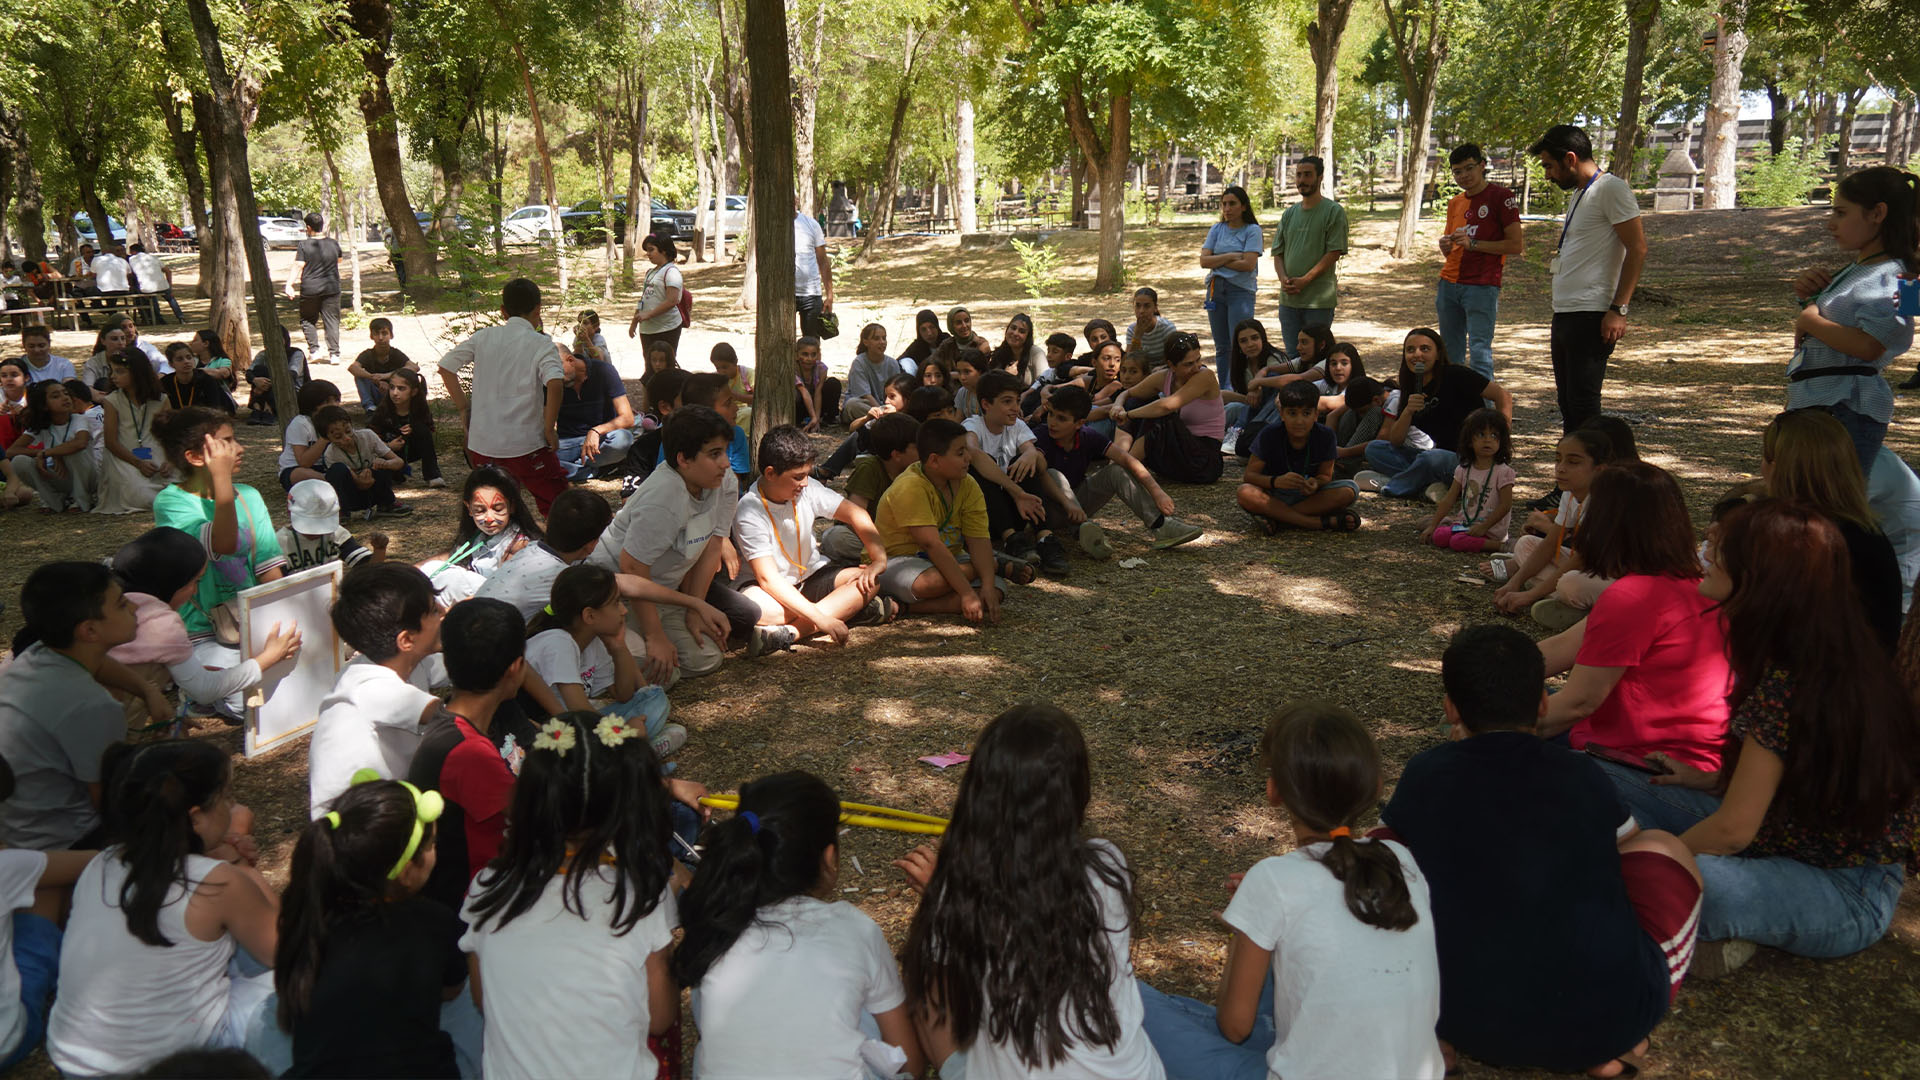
x=1242, y=367
x=1635, y=522
x=1322, y=342
x=576, y=589
x=494, y=476
x=216, y=349
x=146, y=385
x=340, y=873
x=1030, y=968
x=37, y=416
x=150, y=791
x=1411, y=383
x=1326, y=770
x=418, y=411
x=572, y=811
x=1246, y=204
x=1900, y=232
x=1855, y=744
x=768, y=852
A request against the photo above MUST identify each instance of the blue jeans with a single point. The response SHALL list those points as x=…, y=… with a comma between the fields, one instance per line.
x=36, y=955
x=1867, y=434
x=1467, y=314
x=1412, y=470
x=372, y=392
x=613, y=450
x=1186, y=1035
x=1295, y=319
x=1231, y=305
x=1785, y=903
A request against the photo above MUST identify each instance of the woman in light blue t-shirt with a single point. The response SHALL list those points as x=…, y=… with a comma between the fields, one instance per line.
x=1231, y=257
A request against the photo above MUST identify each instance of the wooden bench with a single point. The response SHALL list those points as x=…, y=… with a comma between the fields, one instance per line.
x=17, y=317
x=74, y=308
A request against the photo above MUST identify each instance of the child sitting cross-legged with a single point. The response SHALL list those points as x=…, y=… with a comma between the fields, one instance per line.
x=1289, y=479
x=1012, y=475
x=933, y=521
x=1331, y=972
x=372, y=718
x=359, y=465
x=578, y=645
x=1473, y=514
x=800, y=589
x=1563, y=929
x=1091, y=470
x=788, y=980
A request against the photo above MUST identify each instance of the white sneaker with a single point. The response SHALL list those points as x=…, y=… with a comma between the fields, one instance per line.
x=1436, y=491
x=771, y=639
x=671, y=738
x=1369, y=480
x=1093, y=541
x=1229, y=441
x=1173, y=533
x=437, y=482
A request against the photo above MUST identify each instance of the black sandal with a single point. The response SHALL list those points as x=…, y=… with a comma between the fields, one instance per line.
x=1020, y=573
x=1343, y=520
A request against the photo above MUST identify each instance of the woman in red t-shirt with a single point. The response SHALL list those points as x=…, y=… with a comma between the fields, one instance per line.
x=1647, y=669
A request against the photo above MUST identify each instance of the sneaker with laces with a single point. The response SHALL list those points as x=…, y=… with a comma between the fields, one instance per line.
x=437, y=482
x=771, y=639
x=1556, y=615
x=880, y=610
x=628, y=485
x=1093, y=541
x=1053, y=557
x=1172, y=534
x=671, y=738
x=1547, y=503
x=1369, y=480
x=1718, y=959
x=1020, y=546
x=1436, y=491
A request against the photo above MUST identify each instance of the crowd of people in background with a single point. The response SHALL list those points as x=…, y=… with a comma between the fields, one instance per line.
x=504, y=872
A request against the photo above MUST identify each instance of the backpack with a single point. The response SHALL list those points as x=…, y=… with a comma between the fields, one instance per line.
x=685, y=306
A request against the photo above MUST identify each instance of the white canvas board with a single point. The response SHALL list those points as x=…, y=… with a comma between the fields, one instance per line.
x=286, y=704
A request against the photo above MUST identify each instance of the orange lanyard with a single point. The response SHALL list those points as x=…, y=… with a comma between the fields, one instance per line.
x=798, y=562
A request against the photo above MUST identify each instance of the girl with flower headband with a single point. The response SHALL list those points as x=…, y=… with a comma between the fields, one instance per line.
x=150, y=965
x=790, y=982
x=1339, y=920
x=364, y=962
x=571, y=926
x=578, y=645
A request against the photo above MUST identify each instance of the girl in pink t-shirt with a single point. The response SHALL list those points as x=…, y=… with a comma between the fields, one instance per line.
x=1473, y=513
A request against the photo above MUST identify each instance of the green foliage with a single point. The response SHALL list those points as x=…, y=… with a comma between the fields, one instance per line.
x=1786, y=178
x=1039, y=272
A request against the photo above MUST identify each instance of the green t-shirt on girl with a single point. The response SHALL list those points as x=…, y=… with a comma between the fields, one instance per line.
x=258, y=551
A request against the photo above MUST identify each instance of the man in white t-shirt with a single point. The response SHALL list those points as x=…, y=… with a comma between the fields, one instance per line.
x=799, y=589
x=111, y=273
x=374, y=716
x=518, y=383
x=1601, y=251
x=150, y=276
x=812, y=274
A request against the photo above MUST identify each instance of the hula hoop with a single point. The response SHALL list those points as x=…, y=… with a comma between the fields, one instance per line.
x=863, y=814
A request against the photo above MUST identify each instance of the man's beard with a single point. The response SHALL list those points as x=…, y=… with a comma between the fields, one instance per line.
x=1566, y=183
x=1309, y=189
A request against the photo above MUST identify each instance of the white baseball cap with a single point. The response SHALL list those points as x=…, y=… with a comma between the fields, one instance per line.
x=314, y=507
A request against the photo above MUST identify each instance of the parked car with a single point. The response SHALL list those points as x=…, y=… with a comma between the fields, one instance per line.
x=281, y=232
x=584, y=222
x=83, y=227
x=182, y=235
x=531, y=225
x=733, y=219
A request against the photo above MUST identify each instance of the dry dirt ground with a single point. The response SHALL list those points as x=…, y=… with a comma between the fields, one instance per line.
x=1172, y=667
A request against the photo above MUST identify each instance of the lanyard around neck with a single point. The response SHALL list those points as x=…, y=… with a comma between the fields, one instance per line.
x=798, y=562
x=1568, y=223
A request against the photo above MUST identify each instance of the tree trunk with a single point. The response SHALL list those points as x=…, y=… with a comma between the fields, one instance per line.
x=1077, y=179
x=372, y=21
x=223, y=252
x=497, y=183
x=1722, y=142
x=1420, y=44
x=544, y=153
x=187, y=158
x=704, y=221
x=603, y=137
x=634, y=92
x=966, y=190
x=228, y=138
x=1899, y=120
x=1843, y=159
x=356, y=232
x=1641, y=15
x=1323, y=42
x=770, y=135
x=26, y=187
x=342, y=224
x=1776, y=117
x=881, y=220
x=804, y=62
x=1106, y=155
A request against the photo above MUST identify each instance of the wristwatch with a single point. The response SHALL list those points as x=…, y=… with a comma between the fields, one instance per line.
x=1618, y=309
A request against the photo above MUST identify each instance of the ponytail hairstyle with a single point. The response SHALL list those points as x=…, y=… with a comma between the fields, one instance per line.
x=1900, y=232
x=590, y=804
x=768, y=852
x=344, y=866
x=216, y=349
x=417, y=410
x=1326, y=770
x=1027, y=966
x=493, y=476
x=150, y=793
x=579, y=587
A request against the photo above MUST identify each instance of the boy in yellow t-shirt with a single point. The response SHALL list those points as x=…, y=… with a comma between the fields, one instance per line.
x=933, y=521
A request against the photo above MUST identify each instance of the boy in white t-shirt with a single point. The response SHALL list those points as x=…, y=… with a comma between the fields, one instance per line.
x=303, y=444
x=1012, y=474
x=32, y=892
x=374, y=716
x=802, y=591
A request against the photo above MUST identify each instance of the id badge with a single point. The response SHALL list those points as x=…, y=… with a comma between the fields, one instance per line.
x=1553, y=265
x=144, y=453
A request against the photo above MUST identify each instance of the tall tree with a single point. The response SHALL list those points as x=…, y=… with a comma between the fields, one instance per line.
x=1419, y=32
x=372, y=23
x=807, y=44
x=1641, y=15
x=1329, y=25
x=770, y=137
x=880, y=219
x=1721, y=145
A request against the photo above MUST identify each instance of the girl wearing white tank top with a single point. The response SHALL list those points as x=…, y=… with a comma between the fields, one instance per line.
x=148, y=966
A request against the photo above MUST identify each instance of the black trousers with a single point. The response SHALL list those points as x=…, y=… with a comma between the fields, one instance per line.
x=1579, y=365
x=420, y=448
x=1002, y=515
x=808, y=308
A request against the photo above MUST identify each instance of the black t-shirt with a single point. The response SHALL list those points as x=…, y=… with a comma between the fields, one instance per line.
x=202, y=390
x=1089, y=449
x=376, y=1001
x=921, y=348
x=374, y=364
x=1452, y=395
x=592, y=404
x=1276, y=451
x=1543, y=963
x=1876, y=577
x=319, y=257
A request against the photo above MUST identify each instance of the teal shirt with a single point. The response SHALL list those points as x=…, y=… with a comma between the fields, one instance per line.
x=258, y=551
x=1303, y=237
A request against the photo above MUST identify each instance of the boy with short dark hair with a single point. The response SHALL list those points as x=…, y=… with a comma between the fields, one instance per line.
x=933, y=521
x=1012, y=477
x=42, y=365
x=371, y=368
x=1289, y=479
x=1091, y=471
x=373, y=716
x=359, y=464
x=798, y=586
x=892, y=447
x=1563, y=929
x=710, y=389
x=664, y=389
x=931, y=402
x=485, y=643
x=1359, y=423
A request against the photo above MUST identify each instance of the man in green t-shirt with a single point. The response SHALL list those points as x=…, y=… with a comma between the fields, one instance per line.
x=1311, y=238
